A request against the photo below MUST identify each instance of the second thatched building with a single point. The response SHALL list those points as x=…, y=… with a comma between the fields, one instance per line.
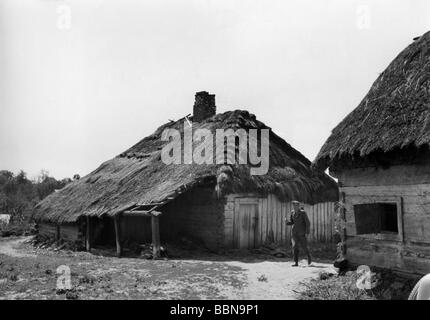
x=381, y=155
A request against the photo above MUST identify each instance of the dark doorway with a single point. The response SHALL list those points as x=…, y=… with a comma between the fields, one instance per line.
x=103, y=231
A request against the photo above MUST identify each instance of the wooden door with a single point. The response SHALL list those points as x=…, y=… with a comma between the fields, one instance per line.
x=246, y=225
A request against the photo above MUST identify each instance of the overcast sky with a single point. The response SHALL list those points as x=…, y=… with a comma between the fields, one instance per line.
x=81, y=81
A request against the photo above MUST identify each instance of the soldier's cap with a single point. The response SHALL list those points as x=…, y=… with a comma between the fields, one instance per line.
x=295, y=201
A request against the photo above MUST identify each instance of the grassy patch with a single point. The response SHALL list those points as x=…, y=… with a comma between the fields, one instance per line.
x=387, y=286
x=99, y=277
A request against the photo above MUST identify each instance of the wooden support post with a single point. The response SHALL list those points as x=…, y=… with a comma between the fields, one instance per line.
x=57, y=235
x=343, y=218
x=88, y=235
x=155, y=236
x=117, y=236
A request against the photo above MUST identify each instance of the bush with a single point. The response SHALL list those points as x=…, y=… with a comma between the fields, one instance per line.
x=335, y=288
x=19, y=195
x=388, y=286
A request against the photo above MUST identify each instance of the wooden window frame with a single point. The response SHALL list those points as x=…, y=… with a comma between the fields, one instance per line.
x=398, y=201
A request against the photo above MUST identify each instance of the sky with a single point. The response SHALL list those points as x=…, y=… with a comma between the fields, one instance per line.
x=83, y=80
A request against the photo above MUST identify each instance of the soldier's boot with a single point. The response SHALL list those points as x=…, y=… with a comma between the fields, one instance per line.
x=309, y=259
x=296, y=258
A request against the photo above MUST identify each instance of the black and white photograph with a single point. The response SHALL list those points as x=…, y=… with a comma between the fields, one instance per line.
x=231, y=151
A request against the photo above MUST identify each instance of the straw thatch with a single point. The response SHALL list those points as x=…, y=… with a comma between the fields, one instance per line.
x=139, y=177
x=393, y=117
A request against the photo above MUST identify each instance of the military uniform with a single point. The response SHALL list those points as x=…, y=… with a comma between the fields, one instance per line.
x=300, y=228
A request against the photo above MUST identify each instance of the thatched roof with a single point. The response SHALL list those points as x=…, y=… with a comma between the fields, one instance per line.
x=139, y=177
x=393, y=116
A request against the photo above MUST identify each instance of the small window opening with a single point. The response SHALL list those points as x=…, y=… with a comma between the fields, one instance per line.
x=376, y=218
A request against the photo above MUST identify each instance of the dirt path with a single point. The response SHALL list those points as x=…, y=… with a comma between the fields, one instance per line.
x=26, y=273
x=278, y=280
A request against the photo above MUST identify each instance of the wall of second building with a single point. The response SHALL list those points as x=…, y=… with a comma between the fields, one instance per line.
x=196, y=215
x=269, y=223
x=70, y=232
x=408, y=186
x=48, y=230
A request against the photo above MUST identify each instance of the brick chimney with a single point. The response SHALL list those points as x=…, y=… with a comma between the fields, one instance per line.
x=204, y=106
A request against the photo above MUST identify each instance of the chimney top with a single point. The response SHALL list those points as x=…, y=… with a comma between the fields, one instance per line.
x=204, y=106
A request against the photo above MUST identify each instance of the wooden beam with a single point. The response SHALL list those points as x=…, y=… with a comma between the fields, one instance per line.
x=155, y=236
x=151, y=204
x=136, y=213
x=140, y=208
x=142, y=213
x=117, y=236
x=88, y=235
x=343, y=233
x=57, y=235
x=153, y=209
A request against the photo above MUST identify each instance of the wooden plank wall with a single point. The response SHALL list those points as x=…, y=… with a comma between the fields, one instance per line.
x=271, y=221
x=322, y=217
x=272, y=214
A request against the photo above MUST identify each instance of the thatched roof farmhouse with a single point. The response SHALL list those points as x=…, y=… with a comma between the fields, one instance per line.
x=380, y=154
x=112, y=203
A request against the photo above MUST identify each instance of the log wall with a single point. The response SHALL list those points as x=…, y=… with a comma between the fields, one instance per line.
x=47, y=229
x=70, y=232
x=407, y=185
x=196, y=215
x=67, y=232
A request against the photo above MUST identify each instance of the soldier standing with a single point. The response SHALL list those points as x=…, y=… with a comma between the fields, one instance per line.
x=300, y=229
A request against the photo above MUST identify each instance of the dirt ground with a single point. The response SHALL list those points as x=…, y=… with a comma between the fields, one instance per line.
x=30, y=273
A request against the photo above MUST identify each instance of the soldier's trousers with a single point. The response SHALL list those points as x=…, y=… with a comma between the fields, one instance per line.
x=299, y=242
